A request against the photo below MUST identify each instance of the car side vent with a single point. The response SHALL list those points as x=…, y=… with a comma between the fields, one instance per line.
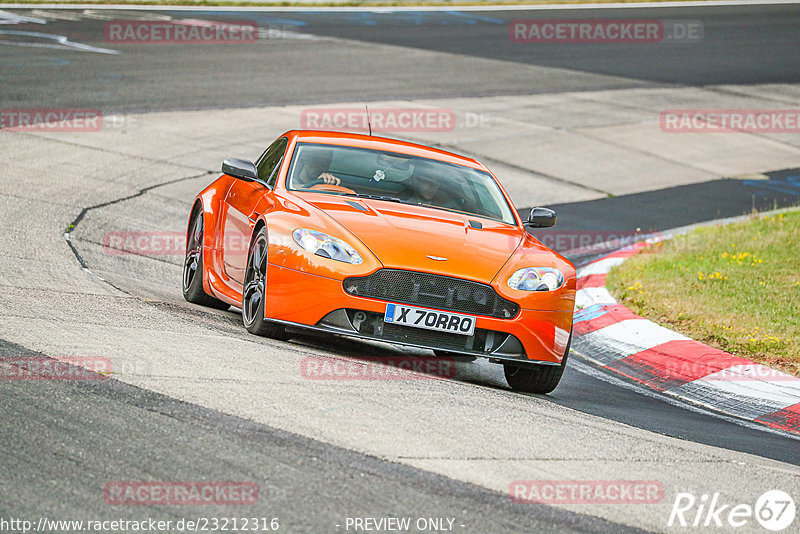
x=356, y=205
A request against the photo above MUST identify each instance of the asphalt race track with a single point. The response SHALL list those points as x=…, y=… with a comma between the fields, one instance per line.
x=742, y=45
x=194, y=397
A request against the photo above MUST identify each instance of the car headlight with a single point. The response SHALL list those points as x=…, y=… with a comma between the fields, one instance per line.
x=536, y=279
x=326, y=246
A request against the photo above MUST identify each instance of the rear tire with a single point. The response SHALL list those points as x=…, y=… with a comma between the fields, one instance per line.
x=193, y=266
x=254, y=291
x=536, y=378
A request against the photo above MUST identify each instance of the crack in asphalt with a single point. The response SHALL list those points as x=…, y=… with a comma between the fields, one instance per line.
x=74, y=224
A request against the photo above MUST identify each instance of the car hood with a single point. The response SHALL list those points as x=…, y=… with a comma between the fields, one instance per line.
x=404, y=236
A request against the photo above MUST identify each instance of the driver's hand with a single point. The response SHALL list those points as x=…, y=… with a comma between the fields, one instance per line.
x=328, y=178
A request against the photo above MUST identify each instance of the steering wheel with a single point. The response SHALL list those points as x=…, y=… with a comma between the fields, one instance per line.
x=332, y=188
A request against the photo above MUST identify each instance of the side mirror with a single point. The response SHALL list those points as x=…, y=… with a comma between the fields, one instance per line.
x=240, y=168
x=541, y=218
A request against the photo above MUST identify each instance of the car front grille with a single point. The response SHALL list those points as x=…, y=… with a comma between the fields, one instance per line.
x=432, y=291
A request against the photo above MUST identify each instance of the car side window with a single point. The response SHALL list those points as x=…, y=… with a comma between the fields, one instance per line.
x=270, y=162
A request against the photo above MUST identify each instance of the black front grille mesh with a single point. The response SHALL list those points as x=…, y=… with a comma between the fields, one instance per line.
x=432, y=291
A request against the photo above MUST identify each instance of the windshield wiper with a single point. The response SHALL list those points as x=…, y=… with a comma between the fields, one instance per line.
x=380, y=197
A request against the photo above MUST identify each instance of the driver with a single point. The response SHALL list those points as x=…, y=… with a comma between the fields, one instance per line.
x=315, y=163
x=425, y=188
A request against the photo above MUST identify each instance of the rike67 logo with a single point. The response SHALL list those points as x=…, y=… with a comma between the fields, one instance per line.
x=774, y=510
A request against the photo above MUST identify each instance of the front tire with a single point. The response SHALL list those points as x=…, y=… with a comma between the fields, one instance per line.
x=536, y=378
x=254, y=291
x=193, y=267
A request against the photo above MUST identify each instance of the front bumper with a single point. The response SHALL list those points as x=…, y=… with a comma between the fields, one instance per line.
x=308, y=300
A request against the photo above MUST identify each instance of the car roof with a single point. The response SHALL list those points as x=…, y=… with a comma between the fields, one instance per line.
x=382, y=143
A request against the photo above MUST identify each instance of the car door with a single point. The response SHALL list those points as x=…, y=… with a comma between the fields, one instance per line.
x=240, y=217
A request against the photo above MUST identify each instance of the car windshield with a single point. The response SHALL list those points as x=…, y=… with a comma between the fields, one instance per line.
x=397, y=177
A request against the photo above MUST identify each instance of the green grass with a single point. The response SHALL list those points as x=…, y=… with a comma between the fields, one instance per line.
x=736, y=287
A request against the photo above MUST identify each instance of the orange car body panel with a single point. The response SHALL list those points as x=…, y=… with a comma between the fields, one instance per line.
x=302, y=288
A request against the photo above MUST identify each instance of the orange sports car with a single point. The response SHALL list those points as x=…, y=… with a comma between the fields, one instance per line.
x=385, y=240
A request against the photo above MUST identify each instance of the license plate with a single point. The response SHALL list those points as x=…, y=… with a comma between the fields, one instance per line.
x=430, y=319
